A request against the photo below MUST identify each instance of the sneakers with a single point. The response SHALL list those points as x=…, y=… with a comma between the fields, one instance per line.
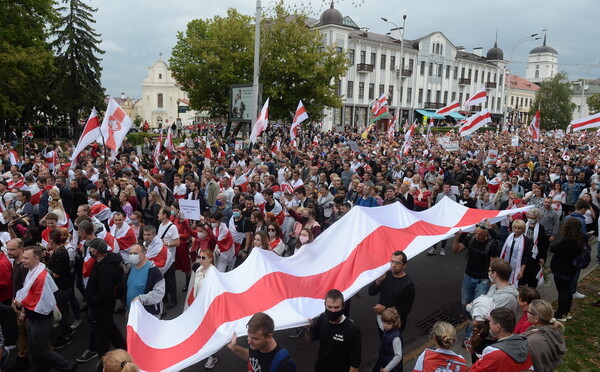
x=569, y=316
x=442, y=252
x=87, y=356
x=211, y=362
x=75, y=323
x=431, y=251
x=296, y=332
x=562, y=319
x=578, y=295
x=60, y=343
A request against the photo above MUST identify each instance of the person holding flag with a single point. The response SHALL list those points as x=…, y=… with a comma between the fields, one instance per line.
x=114, y=127
x=534, y=128
x=299, y=117
x=262, y=122
x=91, y=132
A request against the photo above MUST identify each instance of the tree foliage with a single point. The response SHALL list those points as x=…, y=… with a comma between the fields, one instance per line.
x=554, y=101
x=26, y=58
x=593, y=102
x=294, y=64
x=76, y=84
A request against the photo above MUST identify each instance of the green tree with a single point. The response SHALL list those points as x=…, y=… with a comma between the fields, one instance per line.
x=26, y=58
x=213, y=54
x=554, y=102
x=593, y=102
x=77, y=86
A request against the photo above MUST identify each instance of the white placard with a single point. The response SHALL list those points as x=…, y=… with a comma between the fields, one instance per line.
x=353, y=146
x=450, y=145
x=492, y=156
x=454, y=190
x=190, y=209
x=515, y=141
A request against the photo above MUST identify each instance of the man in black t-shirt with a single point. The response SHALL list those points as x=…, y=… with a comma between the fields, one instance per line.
x=340, y=348
x=263, y=353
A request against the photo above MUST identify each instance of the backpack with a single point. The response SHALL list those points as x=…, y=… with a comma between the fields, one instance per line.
x=279, y=357
x=585, y=257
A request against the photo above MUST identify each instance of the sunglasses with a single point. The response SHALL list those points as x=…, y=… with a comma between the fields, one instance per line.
x=271, y=230
x=203, y=257
x=481, y=226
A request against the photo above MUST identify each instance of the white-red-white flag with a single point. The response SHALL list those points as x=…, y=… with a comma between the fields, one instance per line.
x=589, y=122
x=91, y=133
x=534, y=128
x=158, y=150
x=392, y=128
x=115, y=126
x=408, y=136
x=38, y=290
x=299, y=117
x=453, y=106
x=475, y=122
x=13, y=157
x=169, y=143
x=261, y=122
x=476, y=99
x=275, y=148
x=316, y=140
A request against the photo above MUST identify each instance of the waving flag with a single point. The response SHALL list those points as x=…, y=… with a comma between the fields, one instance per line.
x=158, y=150
x=475, y=122
x=299, y=117
x=115, y=126
x=275, y=148
x=453, y=106
x=380, y=107
x=366, y=132
x=534, y=128
x=261, y=122
x=291, y=289
x=91, y=132
x=392, y=128
x=169, y=143
x=13, y=157
x=476, y=99
x=589, y=122
x=408, y=136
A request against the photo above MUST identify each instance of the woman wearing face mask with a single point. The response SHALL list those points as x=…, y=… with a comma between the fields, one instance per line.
x=136, y=221
x=182, y=258
x=304, y=237
x=306, y=218
x=276, y=244
x=516, y=251
x=225, y=248
x=536, y=233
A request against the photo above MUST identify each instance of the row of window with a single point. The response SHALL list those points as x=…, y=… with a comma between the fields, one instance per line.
x=520, y=101
x=438, y=70
x=382, y=61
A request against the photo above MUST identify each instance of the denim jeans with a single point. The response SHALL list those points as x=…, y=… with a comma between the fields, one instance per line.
x=471, y=289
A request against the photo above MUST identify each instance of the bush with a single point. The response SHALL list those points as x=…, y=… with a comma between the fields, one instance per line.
x=138, y=138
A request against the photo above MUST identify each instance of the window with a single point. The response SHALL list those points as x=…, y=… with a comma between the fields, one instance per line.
x=422, y=67
x=440, y=70
x=438, y=96
x=455, y=72
x=160, y=100
x=500, y=81
x=361, y=90
x=373, y=58
x=521, y=101
x=371, y=91
x=391, y=93
x=482, y=76
x=350, y=89
x=411, y=63
x=441, y=49
x=460, y=95
x=448, y=72
x=392, y=63
x=498, y=103
x=351, y=53
x=486, y=104
x=430, y=68
x=432, y=48
x=445, y=97
x=381, y=89
x=469, y=74
x=492, y=100
x=495, y=76
x=467, y=97
x=420, y=96
x=338, y=87
x=462, y=73
x=476, y=74
x=428, y=96
x=437, y=48
x=383, y=60
x=400, y=96
x=490, y=76
x=408, y=95
x=363, y=56
x=403, y=64
x=512, y=101
x=159, y=76
x=537, y=74
x=453, y=96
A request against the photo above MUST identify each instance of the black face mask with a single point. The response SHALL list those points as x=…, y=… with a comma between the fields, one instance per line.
x=333, y=315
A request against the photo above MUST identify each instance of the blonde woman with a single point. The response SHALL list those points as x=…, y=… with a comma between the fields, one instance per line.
x=545, y=339
x=55, y=206
x=118, y=361
x=444, y=336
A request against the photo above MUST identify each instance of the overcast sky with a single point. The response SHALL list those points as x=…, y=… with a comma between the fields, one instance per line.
x=134, y=32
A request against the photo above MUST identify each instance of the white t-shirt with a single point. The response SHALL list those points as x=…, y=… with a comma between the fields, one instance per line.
x=170, y=235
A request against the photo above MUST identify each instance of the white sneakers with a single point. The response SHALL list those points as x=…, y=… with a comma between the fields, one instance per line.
x=578, y=295
x=211, y=362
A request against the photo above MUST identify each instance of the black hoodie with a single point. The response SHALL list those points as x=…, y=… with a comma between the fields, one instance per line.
x=100, y=290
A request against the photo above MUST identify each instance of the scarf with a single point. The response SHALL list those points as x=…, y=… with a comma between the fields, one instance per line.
x=509, y=245
x=38, y=290
x=536, y=231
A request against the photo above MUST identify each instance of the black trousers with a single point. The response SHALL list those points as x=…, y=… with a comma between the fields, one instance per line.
x=44, y=359
x=565, y=296
x=170, y=285
x=106, y=331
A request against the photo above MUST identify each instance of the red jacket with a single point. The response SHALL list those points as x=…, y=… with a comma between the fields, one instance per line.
x=509, y=354
x=6, y=290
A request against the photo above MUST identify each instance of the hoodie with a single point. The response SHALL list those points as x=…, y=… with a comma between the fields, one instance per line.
x=100, y=290
x=504, y=297
x=507, y=355
x=546, y=345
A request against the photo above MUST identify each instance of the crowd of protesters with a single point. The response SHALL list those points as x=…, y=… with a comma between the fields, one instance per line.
x=112, y=229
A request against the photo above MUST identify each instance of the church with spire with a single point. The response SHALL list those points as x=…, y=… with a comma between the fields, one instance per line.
x=542, y=64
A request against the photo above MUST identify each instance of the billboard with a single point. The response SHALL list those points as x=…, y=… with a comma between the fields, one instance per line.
x=241, y=103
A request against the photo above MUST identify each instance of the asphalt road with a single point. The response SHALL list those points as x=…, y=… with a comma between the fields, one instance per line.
x=437, y=280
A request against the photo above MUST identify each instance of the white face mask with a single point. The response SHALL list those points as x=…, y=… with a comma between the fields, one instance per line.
x=272, y=234
x=303, y=239
x=214, y=224
x=134, y=259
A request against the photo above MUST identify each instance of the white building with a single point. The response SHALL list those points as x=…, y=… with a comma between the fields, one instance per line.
x=579, y=98
x=431, y=73
x=163, y=102
x=542, y=63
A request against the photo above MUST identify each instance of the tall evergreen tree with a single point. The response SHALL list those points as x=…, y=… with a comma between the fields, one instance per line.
x=77, y=86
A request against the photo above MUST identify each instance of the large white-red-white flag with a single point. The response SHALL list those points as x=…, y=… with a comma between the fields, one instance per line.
x=589, y=122
x=261, y=122
x=291, y=289
x=114, y=127
x=408, y=136
x=476, y=99
x=534, y=127
x=169, y=143
x=38, y=290
x=453, y=106
x=392, y=128
x=158, y=150
x=299, y=117
x=91, y=133
x=475, y=122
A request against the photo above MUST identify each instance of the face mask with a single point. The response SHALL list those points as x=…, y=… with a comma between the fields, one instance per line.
x=272, y=234
x=214, y=224
x=93, y=255
x=333, y=315
x=237, y=214
x=303, y=239
x=490, y=278
x=135, y=222
x=173, y=213
x=134, y=259
x=218, y=203
x=91, y=202
x=531, y=222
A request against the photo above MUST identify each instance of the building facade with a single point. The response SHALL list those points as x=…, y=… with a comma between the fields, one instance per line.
x=579, y=96
x=520, y=95
x=163, y=102
x=419, y=75
x=542, y=63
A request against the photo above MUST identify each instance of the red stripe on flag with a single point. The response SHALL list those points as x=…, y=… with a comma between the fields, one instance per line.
x=35, y=292
x=371, y=253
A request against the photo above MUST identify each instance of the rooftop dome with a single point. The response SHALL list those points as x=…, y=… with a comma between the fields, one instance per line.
x=495, y=54
x=331, y=17
x=543, y=49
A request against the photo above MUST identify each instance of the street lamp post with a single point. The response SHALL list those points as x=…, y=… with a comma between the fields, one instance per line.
x=256, y=73
x=399, y=85
x=531, y=37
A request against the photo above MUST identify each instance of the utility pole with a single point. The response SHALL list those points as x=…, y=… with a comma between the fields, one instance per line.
x=256, y=73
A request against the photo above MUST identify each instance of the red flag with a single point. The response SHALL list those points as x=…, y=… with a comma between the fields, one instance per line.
x=299, y=117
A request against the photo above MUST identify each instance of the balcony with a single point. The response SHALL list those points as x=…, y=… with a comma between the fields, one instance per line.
x=490, y=85
x=364, y=67
x=464, y=81
x=406, y=72
x=433, y=105
x=475, y=108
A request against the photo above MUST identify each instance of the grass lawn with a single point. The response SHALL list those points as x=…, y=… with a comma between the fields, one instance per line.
x=582, y=333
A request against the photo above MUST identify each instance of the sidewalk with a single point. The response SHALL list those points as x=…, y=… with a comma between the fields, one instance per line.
x=547, y=291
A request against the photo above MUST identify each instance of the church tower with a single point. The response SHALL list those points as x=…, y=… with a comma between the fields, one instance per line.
x=542, y=63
